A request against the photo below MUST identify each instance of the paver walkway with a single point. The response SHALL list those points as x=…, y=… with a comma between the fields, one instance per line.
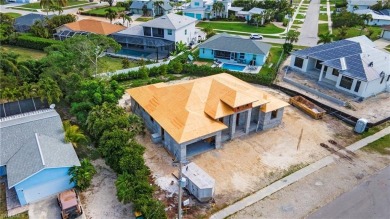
x=280, y=184
x=329, y=16
x=309, y=30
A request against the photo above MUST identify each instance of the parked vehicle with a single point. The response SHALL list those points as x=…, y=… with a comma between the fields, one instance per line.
x=69, y=203
x=255, y=36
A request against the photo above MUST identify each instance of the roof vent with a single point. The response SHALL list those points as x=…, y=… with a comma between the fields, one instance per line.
x=371, y=64
x=343, y=63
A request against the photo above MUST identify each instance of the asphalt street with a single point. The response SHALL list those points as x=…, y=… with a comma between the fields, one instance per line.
x=309, y=30
x=370, y=199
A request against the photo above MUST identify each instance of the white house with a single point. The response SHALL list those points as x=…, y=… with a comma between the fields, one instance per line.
x=352, y=65
x=360, y=4
x=386, y=32
x=159, y=35
x=378, y=18
x=201, y=9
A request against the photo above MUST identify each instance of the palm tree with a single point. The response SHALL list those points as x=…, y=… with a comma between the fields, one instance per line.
x=48, y=89
x=157, y=7
x=342, y=32
x=73, y=134
x=366, y=18
x=82, y=175
x=125, y=18
x=45, y=4
x=258, y=18
x=292, y=36
x=218, y=7
x=111, y=14
x=62, y=3
x=145, y=10
x=325, y=38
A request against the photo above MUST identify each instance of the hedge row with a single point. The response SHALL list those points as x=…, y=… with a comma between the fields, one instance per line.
x=178, y=67
x=33, y=42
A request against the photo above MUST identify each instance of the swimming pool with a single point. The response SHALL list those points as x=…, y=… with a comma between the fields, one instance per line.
x=232, y=67
x=135, y=53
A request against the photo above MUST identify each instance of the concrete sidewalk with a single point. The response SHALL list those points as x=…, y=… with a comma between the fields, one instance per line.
x=282, y=183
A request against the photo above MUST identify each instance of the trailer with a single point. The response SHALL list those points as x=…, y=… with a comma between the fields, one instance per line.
x=199, y=183
x=308, y=107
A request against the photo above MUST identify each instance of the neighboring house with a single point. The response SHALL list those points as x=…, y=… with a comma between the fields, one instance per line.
x=152, y=8
x=386, y=32
x=238, y=12
x=229, y=48
x=159, y=34
x=86, y=26
x=24, y=23
x=360, y=4
x=33, y=155
x=377, y=18
x=352, y=65
x=195, y=116
x=203, y=9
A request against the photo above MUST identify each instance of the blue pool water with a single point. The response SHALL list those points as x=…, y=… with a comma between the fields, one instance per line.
x=130, y=52
x=232, y=67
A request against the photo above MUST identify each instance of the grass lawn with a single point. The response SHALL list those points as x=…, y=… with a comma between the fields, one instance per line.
x=297, y=22
x=323, y=8
x=70, y=3
x=13, y=14
x=273, y=59
x=24, y=9
x=300, y=16
x=355, y=31
x=323, y=1
x=295, y=26
x=102, y=11
x=110, y=64
x=387, y=48
x=144, y=19
x=322, y=28
x=242, y=27
x=381, y=145
x=323, y=17
x=24, y=54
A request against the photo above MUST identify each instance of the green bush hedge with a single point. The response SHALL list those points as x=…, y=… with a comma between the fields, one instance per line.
x=33, y=42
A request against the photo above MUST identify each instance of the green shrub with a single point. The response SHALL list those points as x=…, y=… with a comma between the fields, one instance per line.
x=32, y=42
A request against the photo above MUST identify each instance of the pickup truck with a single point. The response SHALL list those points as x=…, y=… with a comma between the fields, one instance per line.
x=70, y=204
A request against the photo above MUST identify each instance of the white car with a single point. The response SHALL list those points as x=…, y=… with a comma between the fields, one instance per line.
x=255, y=36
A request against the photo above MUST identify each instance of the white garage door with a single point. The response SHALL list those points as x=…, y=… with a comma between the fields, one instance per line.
x=46, y=189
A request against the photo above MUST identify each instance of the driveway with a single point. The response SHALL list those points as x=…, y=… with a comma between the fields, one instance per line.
x=46, y=209
x=370, y=199
x=309, y=29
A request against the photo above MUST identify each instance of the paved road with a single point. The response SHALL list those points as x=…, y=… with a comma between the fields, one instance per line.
x=290, y=179
x=309, y=30
x=371, y=199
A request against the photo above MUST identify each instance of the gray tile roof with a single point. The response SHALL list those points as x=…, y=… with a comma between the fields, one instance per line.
x=31, y=142
x=227, y=42
x=137, y=4
x=29, y=19
x=170, y=21
x=256, y=10
x=358, y=53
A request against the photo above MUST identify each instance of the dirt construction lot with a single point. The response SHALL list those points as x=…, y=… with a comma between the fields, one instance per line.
x=244, y=165
x=100, y=201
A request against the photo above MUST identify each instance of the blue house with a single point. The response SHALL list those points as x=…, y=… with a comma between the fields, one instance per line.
x=234, y=49
x=33, y=155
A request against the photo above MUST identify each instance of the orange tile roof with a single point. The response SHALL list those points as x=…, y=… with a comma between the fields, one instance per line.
x=190, y=109
x=94, y=26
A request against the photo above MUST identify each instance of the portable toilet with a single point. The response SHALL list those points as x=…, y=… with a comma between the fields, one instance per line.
x=199, y=183
x=361, y=125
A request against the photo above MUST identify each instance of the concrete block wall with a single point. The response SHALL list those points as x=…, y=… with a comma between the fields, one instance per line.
x=150, y=124
x=267, y=123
